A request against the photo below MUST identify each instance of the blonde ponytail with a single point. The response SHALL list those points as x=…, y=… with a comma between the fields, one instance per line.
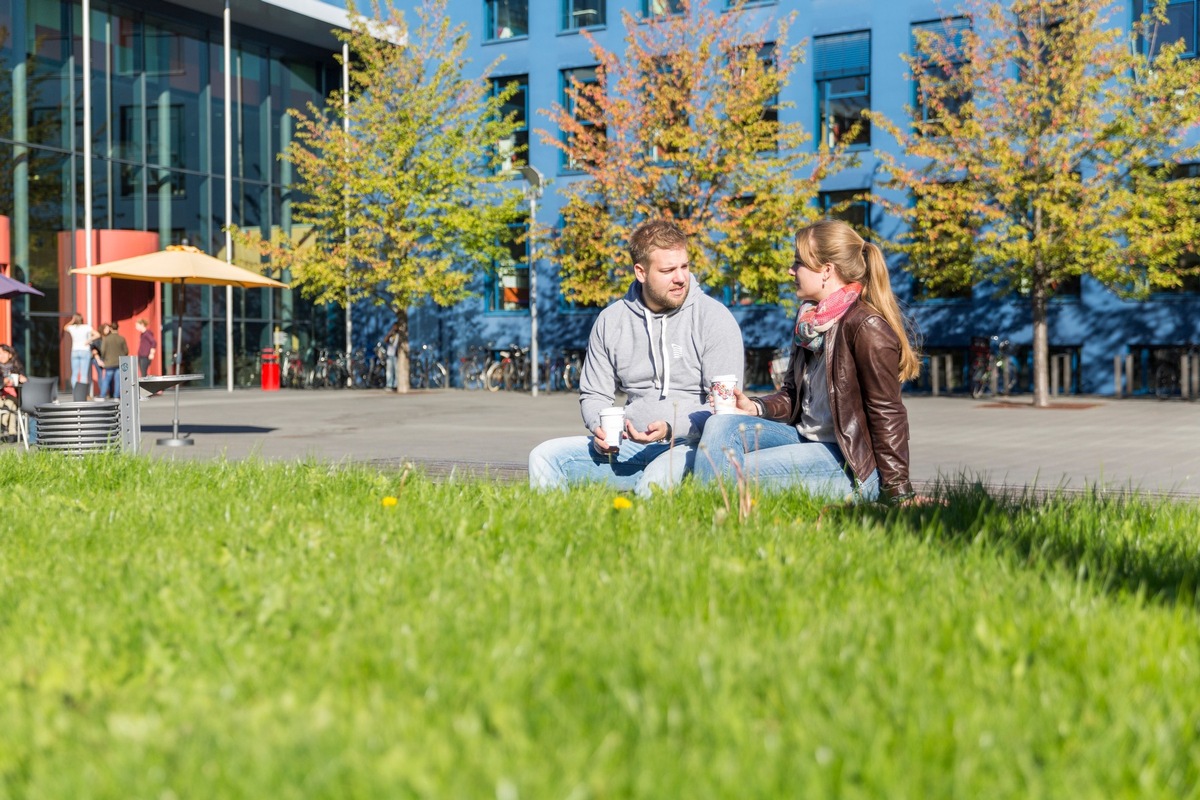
x=877, y=292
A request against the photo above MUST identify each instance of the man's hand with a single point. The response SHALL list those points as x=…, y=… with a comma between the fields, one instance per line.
x=600, y=442
x=655, y=432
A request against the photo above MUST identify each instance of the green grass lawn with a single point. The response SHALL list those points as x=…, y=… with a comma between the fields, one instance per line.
x=278, y=631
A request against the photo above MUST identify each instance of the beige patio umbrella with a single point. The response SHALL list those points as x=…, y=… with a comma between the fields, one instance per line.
x=180, y=264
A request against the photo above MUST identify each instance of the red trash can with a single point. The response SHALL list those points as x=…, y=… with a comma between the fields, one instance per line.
x=270, y=370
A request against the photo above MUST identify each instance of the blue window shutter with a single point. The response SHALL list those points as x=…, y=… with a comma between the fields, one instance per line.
x=842, y=55
x=951, y=30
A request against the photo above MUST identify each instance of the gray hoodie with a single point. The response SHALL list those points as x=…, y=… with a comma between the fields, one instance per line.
x=664, y=363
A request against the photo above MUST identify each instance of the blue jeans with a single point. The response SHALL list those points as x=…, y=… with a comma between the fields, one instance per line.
x=560, y=463
x=390, y=372
x=81, y=362
x=772, y=455
x=110, y=382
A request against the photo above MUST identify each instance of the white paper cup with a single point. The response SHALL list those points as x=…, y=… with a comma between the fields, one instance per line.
x=722, y=394
x=613, y=422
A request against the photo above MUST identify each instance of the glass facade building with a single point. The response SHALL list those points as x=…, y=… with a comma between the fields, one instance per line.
x=157, y=73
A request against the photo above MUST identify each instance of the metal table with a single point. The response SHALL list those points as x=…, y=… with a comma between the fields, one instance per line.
x=160, y=383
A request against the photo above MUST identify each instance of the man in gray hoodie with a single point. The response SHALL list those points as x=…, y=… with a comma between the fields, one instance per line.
x=661, y=345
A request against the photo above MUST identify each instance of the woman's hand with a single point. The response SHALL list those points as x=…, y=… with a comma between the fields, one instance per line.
x=743, y=403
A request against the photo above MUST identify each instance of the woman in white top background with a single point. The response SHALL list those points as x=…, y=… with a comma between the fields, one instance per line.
x=82, y=335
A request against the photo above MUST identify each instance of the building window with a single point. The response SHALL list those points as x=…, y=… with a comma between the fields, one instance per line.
x=849, y=206
x=508, y=287
x=578, y=14
x=943, y=37
x=661, y=8
x=513, y=151
x=842, y=71
x=1182, y=20
x=171, y=148
x=573, y=83
x=505, y=19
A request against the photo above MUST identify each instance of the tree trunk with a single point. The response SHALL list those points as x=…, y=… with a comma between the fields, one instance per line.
x=1041, y=341
x=402, y=365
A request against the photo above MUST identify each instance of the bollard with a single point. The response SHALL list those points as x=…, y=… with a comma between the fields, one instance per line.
x=270, y=370
x=1060, y=374
x=129, y=405
x=1189, y=375
x=1123, y=383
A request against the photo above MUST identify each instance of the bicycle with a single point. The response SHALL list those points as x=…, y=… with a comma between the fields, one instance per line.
x=425, y=371
x=369, y=373
x=511, y=370
x=553, y=376
x=777, y=369
x=572, y=369
x=292, y=372
x=374, y=374
x=994, y=368
x=473, y=367
x=329, y=371
x=1167, y=380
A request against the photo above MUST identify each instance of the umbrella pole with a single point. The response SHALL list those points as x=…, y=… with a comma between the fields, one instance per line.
x=176, y=440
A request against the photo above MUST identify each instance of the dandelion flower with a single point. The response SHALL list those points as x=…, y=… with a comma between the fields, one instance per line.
x=388, y=502
x=621, y=503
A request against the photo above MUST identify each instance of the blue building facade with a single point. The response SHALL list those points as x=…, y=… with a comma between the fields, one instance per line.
x=157, y=145
x=540, y=45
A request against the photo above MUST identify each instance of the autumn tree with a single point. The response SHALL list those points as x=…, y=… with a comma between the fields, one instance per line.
x=685, y=123
x=401, y=187
x=1046, y=145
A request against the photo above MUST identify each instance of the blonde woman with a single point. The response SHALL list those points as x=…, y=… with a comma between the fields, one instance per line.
x=837, y=427
x=82, y=336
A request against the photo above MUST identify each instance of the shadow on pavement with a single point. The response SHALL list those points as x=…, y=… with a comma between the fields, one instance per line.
x=194, y=429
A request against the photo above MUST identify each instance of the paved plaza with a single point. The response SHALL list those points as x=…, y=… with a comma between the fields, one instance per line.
x=1117, y=444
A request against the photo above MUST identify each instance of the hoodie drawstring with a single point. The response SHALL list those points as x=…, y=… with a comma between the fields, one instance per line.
x=664, y=351
x=666, y=356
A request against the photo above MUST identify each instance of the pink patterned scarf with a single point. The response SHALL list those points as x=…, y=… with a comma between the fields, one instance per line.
x=816, y=318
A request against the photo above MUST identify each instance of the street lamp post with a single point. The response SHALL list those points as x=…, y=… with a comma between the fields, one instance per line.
x=533, y=191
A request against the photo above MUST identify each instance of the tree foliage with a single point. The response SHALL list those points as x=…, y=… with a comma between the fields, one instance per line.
x=401, y=186
x=1045, y=146
x=683, y=123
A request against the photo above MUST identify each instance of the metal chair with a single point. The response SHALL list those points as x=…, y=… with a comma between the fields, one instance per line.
x=34, y=392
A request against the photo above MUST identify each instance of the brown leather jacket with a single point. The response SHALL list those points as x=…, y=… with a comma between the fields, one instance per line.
x=869, y=419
